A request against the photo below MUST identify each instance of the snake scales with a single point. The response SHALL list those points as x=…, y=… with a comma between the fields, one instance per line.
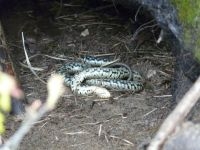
x=89, y=78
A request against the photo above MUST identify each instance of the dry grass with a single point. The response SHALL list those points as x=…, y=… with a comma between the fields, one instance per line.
x=86, y=122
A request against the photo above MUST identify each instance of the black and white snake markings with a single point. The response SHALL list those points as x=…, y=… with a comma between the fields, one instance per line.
x=90, y=78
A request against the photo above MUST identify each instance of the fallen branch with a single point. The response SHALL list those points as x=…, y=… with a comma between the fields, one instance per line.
x=176, y=117
x=36, y=111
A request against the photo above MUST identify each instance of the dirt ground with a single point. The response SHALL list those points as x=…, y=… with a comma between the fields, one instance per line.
x=126, y=122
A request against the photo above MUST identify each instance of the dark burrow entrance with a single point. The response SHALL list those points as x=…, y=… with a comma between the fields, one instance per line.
x=58, y=32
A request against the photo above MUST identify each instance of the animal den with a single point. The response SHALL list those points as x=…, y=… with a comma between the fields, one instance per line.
x=58, y=33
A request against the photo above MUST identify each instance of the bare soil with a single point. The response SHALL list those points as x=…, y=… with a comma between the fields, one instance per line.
x=128, y=120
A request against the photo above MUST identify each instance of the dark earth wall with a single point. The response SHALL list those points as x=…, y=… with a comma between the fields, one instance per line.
x=180, y=21
x=181, y=18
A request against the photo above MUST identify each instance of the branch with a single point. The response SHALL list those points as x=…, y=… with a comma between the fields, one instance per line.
x=176, y=117
x=36, y=111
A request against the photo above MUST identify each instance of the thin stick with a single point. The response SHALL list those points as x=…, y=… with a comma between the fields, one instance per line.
x=100, y=129
x=108, y=54
x=88, y=11
x=28, y=123
x=70, y=5
x=34, y=68
x=110, y=63
x=115, y=7
x=160, y=38
x=28, y=62
x=125, y=140
x=176, y=117
x=99, y=23
x=142, y=27
x=162, y=96
x=48, y=56
x=36, y=111
x=137, y=12
x=75, y=133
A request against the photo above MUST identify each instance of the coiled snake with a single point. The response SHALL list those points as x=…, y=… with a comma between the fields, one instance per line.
x=88, y=77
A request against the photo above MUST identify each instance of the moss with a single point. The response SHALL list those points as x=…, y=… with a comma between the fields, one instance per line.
x=197, y=48
x=189, y=16
x=187, y=10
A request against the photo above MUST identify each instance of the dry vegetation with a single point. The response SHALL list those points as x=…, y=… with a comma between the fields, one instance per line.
x=127, y=121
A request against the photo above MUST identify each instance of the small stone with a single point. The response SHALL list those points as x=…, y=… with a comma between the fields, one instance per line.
x=85, y=33
x=151, y=73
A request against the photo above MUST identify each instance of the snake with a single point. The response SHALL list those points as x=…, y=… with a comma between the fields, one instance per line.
x=89, y=78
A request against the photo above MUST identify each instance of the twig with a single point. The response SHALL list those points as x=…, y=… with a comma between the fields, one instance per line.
x=107, y=54
x=100, y=130
x=34, y=68
x=137, y=12
x=160, y=38
x=150, y=112
x=110, y=63
x=89, y=11
x=176, y=117
x=70, y=5
x=75, y=133
x=15, y=140
x=34, y=113
x=142, y=27
x=75, y=145
x=106, y=138
x=162, y=96
x=125, y=140
x=28, y=62
x=49, y=56
x=115, y=7
x=99, y=23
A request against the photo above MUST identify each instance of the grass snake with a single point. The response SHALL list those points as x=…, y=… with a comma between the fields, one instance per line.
x=88, y=77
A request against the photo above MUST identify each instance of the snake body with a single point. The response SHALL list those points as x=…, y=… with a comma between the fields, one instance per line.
x=120, y=85
x=95, y=61
x=94, y=81
x=106, y=73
